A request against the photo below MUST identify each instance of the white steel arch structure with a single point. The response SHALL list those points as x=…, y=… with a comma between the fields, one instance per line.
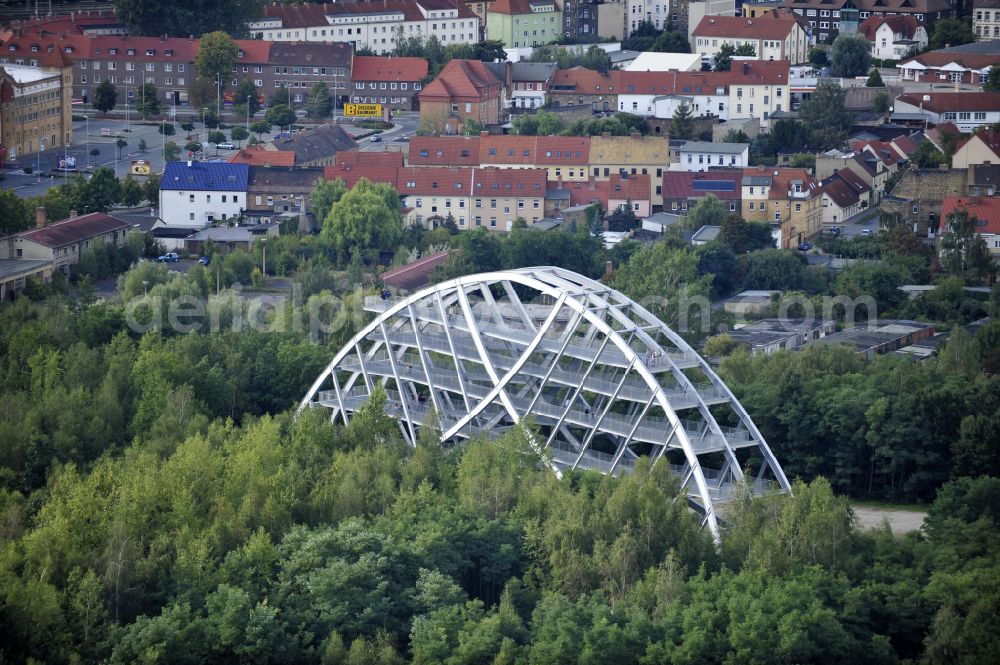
x=605, y=381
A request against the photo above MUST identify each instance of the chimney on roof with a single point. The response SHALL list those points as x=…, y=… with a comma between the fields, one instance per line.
x=40, y=217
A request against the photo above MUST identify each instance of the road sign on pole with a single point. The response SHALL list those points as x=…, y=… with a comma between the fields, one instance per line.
x=363, y=110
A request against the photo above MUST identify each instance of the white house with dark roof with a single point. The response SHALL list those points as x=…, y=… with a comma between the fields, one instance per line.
x=703, y=155
x=196, y=194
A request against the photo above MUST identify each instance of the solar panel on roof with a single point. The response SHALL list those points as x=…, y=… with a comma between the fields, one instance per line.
x=715, y=185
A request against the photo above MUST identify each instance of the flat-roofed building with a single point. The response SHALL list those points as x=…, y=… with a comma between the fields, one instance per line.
x=36, y=106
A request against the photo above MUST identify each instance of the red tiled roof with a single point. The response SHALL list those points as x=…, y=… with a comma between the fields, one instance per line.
x=782, y=180
x=182, y=49
x=557, y=150
x=444, y=151
x=508, y=149
x=767, y=27
x=941, y=102
x=904, y=145
x=376, y=68
x=351, y=174
x=744, y=72
x=881, y=149
x=853, y=180
x=417, y=274
x=74, y=230
x=519, y=6
x=900, y=25
x=632, y=188
x=681, y=184
x=382, y=159
x=937, y=59
x=509, y=182
x=464, y=80
x=582, y=81
x=258, y=156
x=57, y=59
x=254, y=50
x=986, y=210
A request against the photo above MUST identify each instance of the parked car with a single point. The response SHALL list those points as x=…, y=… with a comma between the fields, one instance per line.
x=836, y=230
x=866, y=232
x=805, y=246
x=377, y=138
x=226, y=146
x=205, y=260
x=169, y=257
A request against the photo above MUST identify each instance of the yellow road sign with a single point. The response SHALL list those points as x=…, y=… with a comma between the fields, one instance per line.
x=363, y=110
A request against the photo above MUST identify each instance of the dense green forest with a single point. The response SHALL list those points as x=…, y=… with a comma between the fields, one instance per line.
x=161, y=504
x=160, y=501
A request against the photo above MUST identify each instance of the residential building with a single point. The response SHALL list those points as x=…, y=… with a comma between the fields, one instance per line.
x=530, y=83
x=768, y=336
x=489, y=198
x=370, y=25
x=274, y=190
x=464, y=89
x=699, y=9
x=987, y=214
x=580, y=20
x=519, y=23
x=758, y=89
x=986, y=18
x=631, y=155
x=60, y=244
x=580, y=86
x=825, y=17
x=129, y=62
x=196, y=194
x=894, y=37
x=682, y=189
x=391, y=81
x=968, y=110
x=774, y=37
x=868, y=167
x=444, y=151
x=563, y=157
x=702, y=156
x=618, y=191
x=299, y=66
x=982, y=147
x=968, y=63
x=660, y=94
x=36, y=106
x=657, y=13
x=611, y=20
x=845, y=195
x=916, y=199
x=317, y=146
x=783, y=197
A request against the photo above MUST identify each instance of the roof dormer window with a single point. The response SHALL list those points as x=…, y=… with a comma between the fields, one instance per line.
x=113, y=51
x=241, y=54
x=130, y=51
x=34, y=48
x=168, y=52
x=69, y=49
x=150, y=51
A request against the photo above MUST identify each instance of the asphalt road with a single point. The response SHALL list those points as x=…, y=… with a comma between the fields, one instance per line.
x=84, y=141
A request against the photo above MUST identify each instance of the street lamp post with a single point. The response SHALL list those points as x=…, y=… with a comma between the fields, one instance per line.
x=218, y=97
x=88, y=140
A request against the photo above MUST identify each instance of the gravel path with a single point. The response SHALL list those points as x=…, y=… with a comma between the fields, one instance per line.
x=900, y=521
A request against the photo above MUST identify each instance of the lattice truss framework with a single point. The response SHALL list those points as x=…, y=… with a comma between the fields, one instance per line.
x=604, y=380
